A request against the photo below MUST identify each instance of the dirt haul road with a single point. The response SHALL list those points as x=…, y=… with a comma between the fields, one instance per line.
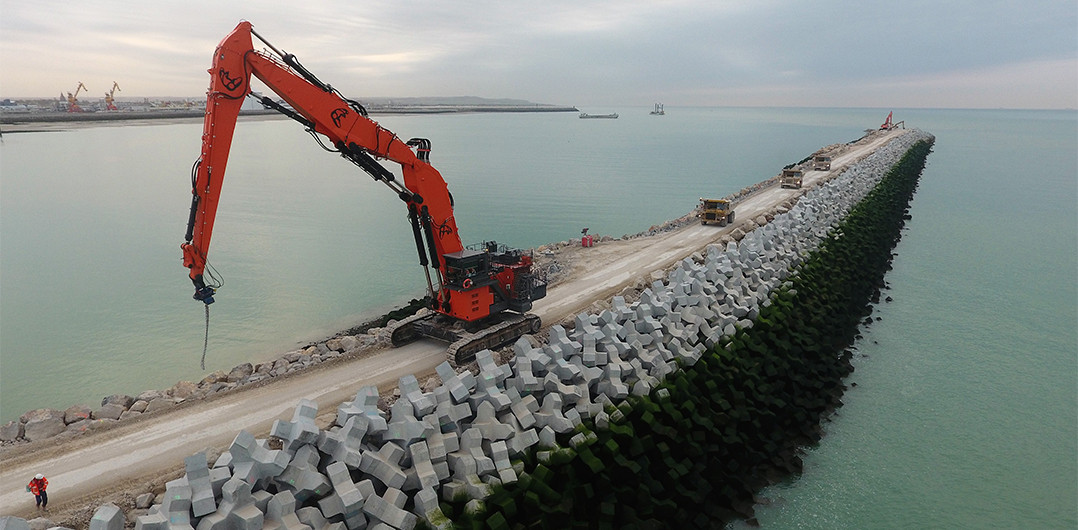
x=88, y=470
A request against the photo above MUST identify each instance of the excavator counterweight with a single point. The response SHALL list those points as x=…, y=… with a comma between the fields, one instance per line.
x=479, y=295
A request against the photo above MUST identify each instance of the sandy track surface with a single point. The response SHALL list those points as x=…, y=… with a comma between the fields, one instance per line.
x=138, y=455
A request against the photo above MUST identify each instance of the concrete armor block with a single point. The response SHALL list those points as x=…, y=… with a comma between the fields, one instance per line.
x=301, y=478
x=281, y=514
x=107, y=517
x=252, y=462
x=345, y=444
x=365, y=404
x=384, y=465
x=346, y=501
x=422, y=404
x=301, y=430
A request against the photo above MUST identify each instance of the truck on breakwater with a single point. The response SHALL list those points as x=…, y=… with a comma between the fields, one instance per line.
x=718, y=211
x=821, y=163
x=791, y=178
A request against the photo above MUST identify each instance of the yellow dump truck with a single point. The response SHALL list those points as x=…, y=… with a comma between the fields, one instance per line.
x=715, y=211
x=791, y=178
x=821, y=163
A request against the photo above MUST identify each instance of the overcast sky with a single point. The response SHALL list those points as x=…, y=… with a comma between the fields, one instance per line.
x=823, y=53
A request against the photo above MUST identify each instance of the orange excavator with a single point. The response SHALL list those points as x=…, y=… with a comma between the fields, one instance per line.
x=478, y=296
x=888, y=124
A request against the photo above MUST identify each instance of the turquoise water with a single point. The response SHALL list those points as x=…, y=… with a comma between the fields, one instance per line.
x=964, y=413
x=966, y=404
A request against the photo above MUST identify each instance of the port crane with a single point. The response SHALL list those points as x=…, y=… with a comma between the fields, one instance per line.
x=477, y=296
x=73, y=99
x=109, y=100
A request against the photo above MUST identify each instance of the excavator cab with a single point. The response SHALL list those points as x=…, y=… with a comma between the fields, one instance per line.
x=467, y=269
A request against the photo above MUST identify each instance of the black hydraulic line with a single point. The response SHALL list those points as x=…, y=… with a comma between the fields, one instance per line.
x=422, y=146
x=191, y=220
x=355, y=105
x=413, y=216
x=359, y=157
x=291, y=60
x=195, y=199
x=273, y=105
x=429, y=230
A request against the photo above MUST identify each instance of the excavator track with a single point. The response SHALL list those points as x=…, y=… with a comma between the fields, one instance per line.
x=500, y=330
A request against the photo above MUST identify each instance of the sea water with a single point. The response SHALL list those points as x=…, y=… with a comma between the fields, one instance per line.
x=964, y=413
x=964, y=410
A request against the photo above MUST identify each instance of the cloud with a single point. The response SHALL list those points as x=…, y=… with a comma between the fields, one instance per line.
x=630, y=52
x=1029, y=85
x=1032, y=84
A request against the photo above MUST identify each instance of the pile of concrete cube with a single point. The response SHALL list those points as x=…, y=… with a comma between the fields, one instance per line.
x=457, y=442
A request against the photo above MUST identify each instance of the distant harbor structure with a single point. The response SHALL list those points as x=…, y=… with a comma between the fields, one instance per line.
x=23, y=113
x=658, y=110
x=585, y=115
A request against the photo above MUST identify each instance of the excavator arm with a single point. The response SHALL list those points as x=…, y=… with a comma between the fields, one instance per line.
x=323, y=111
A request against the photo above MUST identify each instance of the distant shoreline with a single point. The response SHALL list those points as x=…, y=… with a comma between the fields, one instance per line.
x=50, y=121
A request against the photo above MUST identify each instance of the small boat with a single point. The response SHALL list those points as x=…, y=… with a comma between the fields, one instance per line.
x=658, y=110
x=585, y=115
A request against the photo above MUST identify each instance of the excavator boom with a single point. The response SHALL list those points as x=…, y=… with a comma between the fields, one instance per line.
x=469, y=284
x=322, y=110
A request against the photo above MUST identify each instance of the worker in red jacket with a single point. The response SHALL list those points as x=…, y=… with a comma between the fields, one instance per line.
x=37, y=487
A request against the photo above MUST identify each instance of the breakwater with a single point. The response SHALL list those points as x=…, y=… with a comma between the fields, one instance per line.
x=693, y=453
x=560, y=392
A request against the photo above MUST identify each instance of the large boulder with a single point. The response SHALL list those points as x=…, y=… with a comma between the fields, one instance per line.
x=342, y=344
x=159, y=404
x=76, y=413
x=122, y=400
x=43, y=423
x=80, y=427
x=183, y=390
x=148, y=396
x=144, y=500
x=11, y=431
x=212, y=378
x=240, y=372
x=110, y=411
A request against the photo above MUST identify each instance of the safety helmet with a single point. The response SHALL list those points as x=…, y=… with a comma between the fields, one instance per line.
x=39, y=476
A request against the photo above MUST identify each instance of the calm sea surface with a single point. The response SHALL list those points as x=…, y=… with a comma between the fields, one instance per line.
x=965, y=412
